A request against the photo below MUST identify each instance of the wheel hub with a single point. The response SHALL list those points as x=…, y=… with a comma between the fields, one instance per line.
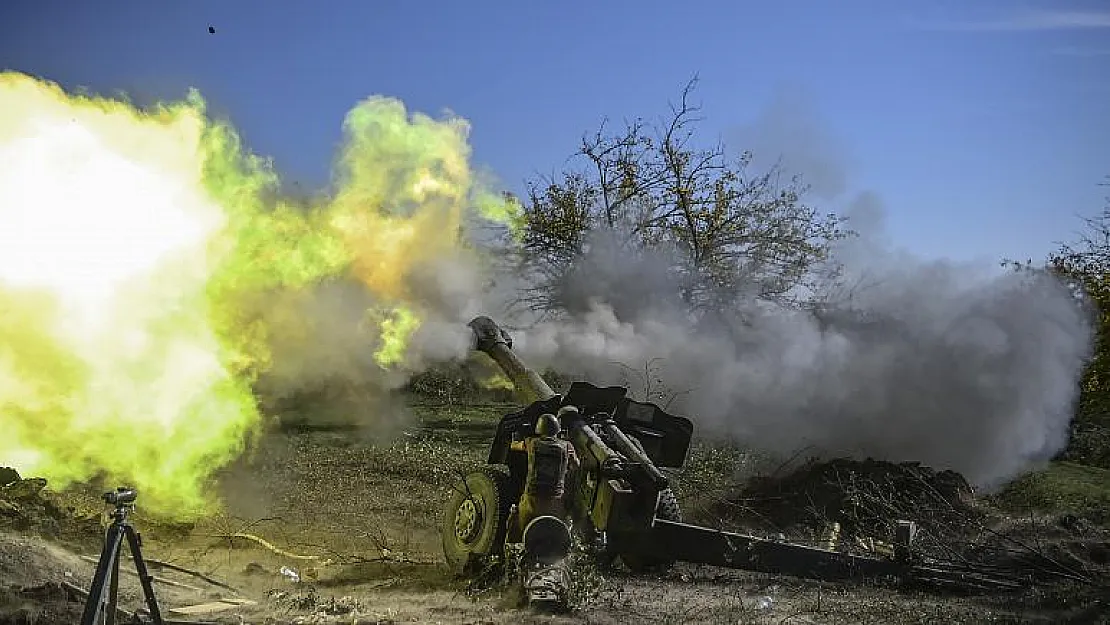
x=467, y=520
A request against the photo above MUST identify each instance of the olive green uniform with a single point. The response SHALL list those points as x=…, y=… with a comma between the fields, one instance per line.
x=549, y=461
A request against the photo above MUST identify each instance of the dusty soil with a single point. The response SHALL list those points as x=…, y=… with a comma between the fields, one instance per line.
x=357, y=520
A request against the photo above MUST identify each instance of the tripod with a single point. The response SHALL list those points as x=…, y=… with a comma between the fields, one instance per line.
x=100, y=606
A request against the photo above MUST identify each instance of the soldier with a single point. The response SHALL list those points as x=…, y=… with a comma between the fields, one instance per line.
x=550, y=458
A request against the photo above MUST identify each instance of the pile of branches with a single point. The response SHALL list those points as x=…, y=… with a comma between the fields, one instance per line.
x=51, y=602
x=26, y=506
x=865, y=498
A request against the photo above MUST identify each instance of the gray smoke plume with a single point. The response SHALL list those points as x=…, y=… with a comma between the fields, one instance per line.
x=955, y=365
x=322, y=342
x=952, y=365
x=324, y=333
x=791, y=133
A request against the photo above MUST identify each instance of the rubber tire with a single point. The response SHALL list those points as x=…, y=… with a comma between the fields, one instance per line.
x=668, y=510
x=492, y=485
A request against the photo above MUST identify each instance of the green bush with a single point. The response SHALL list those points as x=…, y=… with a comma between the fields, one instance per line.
x=461, y=384
x=1089, y=444
x=1061, y=487
x=453, y=384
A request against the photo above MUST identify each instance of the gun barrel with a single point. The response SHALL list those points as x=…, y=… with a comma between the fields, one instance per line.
x=585, y=438
x=497, y=344
x=629, y=448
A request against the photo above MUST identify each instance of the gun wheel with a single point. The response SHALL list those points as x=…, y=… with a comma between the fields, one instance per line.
x=668, y=510
x=473, y=527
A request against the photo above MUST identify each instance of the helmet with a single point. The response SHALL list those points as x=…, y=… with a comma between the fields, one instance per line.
x=568, y=410
x=548, y=425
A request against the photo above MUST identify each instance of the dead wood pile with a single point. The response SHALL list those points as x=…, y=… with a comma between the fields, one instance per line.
x=865, y=498
x=28, y=507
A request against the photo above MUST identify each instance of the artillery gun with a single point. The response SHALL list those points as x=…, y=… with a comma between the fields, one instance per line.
x=620, y=502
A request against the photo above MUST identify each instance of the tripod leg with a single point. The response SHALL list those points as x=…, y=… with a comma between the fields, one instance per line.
x=144, y=577
x=109, y=559
x=113, y=593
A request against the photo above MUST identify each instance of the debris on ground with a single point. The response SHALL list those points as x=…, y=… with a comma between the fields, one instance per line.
x=290, y=574
x=210, y=607
x=320, y=610
x=50, y=602
x=860, y=499
x=1045, y=548
x=853, y=505
x=27, y=506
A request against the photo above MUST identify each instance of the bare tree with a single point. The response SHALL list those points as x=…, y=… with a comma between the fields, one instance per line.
x=649, y=186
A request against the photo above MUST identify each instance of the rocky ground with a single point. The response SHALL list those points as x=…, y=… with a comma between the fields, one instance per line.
x=333, y=526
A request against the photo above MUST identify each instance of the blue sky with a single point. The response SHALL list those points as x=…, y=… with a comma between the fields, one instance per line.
x=984, y=126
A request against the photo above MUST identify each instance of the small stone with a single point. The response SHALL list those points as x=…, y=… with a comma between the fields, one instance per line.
x=253, y=568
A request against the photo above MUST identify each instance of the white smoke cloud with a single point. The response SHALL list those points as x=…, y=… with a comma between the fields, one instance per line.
x=961, y=366
x=951, y=365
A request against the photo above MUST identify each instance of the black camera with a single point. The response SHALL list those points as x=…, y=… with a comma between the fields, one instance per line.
x=121, y=496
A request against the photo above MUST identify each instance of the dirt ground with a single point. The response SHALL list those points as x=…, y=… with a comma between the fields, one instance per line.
x=354, y=523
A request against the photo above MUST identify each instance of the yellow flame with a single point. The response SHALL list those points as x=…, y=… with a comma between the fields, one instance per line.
x=109, y=362
x=503, y=209
x=396, y=329
x=404, y=185
x=134, y=248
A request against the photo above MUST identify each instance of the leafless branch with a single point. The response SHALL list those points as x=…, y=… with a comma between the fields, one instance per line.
x=650, y=185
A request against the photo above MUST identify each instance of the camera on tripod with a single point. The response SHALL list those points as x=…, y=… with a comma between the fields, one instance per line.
x=101, y=604
x=122, y=496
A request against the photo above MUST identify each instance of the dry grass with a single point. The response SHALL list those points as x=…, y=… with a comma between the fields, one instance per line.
x=369, y=511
